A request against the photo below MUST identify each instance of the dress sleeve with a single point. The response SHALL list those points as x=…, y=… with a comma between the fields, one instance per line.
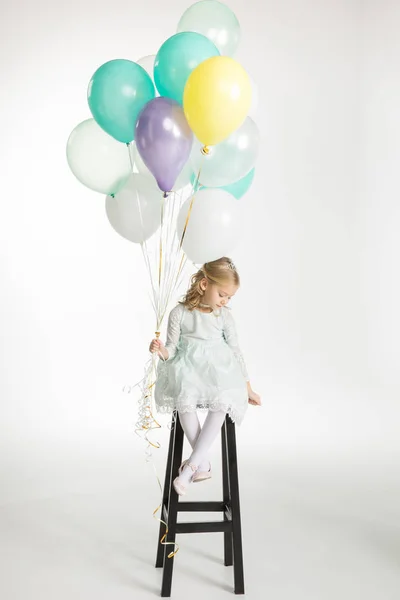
x=231, y=339
x=173, y=331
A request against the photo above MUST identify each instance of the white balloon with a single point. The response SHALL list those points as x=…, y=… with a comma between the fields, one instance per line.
x=98, y=160
x=214, y=226
x=230, y=160
x=147, y=62
x=183, y=178
x=135, y=212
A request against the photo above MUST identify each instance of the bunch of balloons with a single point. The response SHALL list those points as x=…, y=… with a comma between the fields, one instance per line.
x=177, y=120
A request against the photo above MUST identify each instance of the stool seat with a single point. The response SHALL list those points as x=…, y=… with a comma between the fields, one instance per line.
x=230, y=526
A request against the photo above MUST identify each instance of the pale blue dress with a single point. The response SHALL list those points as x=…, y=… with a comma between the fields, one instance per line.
x=205, y=369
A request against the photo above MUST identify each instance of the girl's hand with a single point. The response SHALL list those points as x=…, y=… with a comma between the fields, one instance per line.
x=155, y=345
x=158, y=346
x=254, y=398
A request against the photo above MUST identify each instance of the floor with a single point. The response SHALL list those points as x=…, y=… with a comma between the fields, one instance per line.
x=311, y=531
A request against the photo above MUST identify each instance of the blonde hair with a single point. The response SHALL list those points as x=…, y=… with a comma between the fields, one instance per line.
x=217, y=272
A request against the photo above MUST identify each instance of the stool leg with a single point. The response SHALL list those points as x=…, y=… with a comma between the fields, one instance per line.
x=172, y=511
x=228, y=558
x=167, y=483
x=235, y=504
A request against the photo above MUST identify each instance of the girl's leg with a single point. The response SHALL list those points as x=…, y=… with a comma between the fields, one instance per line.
x=211, y=428
x=191, y=426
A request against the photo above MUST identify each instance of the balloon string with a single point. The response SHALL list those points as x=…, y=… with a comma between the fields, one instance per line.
x=146, y=421
x=148, y=425
x=195, y=189
x=169, y=244
x=205, y=150
x=161, y=244
x=173, y=553
x=143, y=244
x=172, y=208
x=130, y=152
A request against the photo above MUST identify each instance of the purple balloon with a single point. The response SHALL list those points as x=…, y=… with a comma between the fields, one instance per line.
x=164, y=140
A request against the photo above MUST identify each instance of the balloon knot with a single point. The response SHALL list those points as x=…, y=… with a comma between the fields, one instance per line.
x=205, y=150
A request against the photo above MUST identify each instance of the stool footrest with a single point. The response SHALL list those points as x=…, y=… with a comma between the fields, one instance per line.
x=200, y=507
x=205, y=527
x=208, y=506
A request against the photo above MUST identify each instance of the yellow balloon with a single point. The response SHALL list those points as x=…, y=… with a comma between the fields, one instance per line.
x=216, y=99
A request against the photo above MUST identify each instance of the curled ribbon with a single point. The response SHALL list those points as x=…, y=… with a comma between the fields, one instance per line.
x=145, y=424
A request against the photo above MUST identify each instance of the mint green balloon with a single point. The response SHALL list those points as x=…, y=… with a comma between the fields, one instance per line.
x=177, y=58
x=216, y=21
x=237, y=189
x=117, y=92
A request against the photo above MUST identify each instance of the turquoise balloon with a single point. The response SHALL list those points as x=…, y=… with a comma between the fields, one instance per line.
x=177, y=58
x=117, y=92
x=237, y=189
x=240, y=187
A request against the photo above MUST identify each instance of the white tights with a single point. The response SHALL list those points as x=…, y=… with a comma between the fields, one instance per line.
x=200, y=439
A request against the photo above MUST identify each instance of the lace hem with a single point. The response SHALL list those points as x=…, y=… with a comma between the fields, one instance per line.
x=201, y=404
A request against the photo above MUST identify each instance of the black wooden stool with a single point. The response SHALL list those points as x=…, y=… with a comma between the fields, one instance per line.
x=230, y=507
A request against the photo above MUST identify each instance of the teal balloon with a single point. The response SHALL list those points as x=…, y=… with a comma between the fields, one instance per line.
x=237, y=189
x=117, y=92
x=240, y=187
x=177, y=58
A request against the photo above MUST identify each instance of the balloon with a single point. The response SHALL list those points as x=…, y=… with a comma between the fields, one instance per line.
x=214, y=225
x=177, y=58
x=183, y=178
x=163, y=140
x=214, y=20
x=147, y=62
x=117, y=93
x=240, y=187
x=230, y=160
x=237, y=189
x=216, y=99
x=135, y=212
x=96, y=159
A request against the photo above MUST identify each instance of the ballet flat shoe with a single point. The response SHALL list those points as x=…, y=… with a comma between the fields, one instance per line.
x=198, y=475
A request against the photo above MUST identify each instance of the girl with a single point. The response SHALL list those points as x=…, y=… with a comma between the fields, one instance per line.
x=203, y=367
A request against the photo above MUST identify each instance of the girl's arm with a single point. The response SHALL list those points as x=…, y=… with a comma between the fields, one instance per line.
x=173, y=331
x=231, y=339
x=173, y=334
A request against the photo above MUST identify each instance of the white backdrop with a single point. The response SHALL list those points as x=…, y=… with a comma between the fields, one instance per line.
x=317, y=312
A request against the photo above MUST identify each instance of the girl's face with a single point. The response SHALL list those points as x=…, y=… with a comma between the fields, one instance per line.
x=217, y=295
